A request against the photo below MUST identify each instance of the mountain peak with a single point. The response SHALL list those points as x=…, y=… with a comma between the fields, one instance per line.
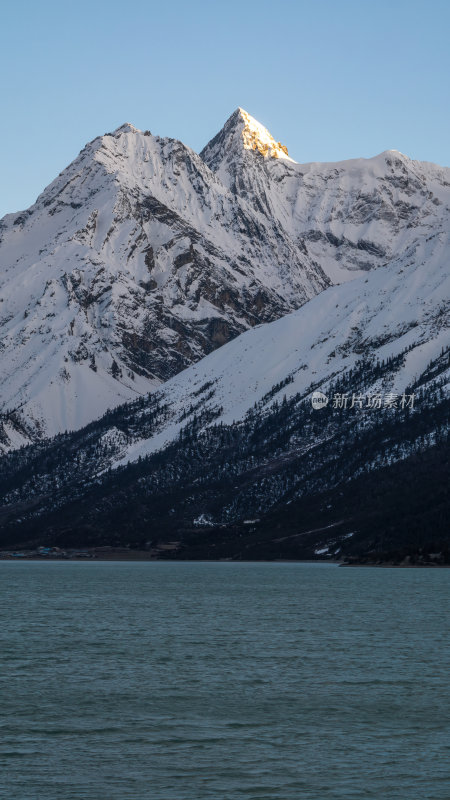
x=256, y=137
x=242, y=132
x=127, y=127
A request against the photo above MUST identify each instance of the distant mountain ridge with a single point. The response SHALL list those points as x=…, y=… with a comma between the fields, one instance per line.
x=142, y=257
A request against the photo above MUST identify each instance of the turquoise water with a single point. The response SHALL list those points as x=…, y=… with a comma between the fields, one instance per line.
x=200, y=681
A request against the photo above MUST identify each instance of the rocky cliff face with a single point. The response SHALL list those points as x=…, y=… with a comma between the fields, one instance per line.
x=142, y=257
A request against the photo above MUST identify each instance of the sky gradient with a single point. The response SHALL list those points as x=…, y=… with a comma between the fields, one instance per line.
x=331, y=79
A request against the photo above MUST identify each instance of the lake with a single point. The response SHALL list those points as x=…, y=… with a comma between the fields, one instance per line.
x=223, y=681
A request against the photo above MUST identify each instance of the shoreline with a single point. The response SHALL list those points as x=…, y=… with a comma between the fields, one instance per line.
x=138, y=556
x=142, y=555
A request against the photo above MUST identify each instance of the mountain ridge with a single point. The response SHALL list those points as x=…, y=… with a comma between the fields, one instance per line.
x=140, y=259
x=229, y=457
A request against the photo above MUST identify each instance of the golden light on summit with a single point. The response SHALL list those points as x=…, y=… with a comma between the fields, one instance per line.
x=257, y=137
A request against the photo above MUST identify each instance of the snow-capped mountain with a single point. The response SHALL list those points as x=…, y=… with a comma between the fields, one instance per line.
x=230, y=459
x=393, y=316
x=142, y=257
x=350, y=216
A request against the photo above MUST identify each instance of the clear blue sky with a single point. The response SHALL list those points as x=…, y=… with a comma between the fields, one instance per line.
x=331, y=79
